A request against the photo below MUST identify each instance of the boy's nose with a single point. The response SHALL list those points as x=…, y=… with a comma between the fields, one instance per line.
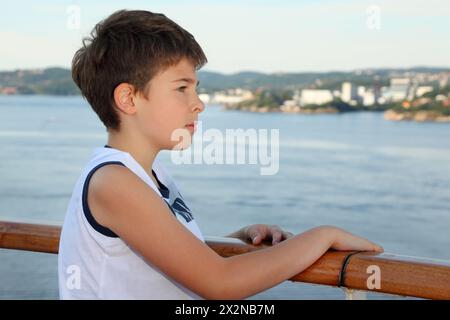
x=199, y=106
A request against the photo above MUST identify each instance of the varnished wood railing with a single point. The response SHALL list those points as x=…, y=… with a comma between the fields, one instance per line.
x=399, y=275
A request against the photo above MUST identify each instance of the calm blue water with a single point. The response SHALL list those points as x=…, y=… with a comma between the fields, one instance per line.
x=387, y=181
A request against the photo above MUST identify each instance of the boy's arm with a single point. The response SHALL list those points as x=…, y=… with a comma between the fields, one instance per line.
x=122, y=202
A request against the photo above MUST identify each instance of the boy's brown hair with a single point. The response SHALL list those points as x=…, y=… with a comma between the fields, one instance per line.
x=132, y=47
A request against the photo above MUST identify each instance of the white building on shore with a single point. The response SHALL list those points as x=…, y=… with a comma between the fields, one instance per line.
x=316, y=97
x=398, y=90
x=206, y=98
x=369, y=98
x=420, y=91
x=232, y=96
x=348, y=92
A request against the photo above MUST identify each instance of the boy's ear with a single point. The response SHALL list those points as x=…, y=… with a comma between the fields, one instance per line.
x=124, y=98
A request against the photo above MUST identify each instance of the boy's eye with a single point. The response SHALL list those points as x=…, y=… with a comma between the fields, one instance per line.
x=182, y=88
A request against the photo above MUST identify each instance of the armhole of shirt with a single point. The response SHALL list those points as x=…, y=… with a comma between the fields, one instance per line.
x=87, y=211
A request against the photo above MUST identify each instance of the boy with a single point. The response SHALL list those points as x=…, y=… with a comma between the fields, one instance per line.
x=128, y=233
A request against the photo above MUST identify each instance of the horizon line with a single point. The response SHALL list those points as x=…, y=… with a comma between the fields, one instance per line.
x=268, y=73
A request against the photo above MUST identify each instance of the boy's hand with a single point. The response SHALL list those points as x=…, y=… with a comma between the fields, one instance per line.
x=256, y=233
x=344, y=240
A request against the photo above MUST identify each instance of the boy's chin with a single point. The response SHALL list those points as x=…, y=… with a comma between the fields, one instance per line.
x=180, y=146
x=180, y=139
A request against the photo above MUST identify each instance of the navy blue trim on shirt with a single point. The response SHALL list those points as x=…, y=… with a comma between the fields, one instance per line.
x=87, y=211
x=165, y=192
x=170, y=207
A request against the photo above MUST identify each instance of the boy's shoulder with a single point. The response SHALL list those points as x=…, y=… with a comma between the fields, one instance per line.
x=115, y=189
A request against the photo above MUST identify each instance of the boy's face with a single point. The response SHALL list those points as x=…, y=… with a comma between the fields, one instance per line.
x=171, y=105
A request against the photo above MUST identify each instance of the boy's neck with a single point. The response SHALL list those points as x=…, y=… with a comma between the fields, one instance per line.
x=143, y=153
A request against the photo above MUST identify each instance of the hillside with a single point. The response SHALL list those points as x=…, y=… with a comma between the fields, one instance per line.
x=58, y=81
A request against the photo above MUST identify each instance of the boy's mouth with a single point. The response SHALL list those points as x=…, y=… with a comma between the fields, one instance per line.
x=191, y=126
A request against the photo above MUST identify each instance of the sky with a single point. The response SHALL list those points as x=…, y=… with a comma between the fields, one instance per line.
x=271, y=36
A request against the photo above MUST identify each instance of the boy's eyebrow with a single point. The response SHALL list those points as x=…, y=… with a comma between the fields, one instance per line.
x=189, y=80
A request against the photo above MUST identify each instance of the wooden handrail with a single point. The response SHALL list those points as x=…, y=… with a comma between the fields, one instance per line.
x=400, y=275
x=29, y=237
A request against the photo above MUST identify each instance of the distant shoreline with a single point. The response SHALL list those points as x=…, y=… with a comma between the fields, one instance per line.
x=319, y=110
x=390, y=114
x=418, y=116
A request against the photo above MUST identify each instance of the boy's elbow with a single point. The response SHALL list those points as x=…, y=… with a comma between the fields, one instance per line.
x=223, y=292
x=224, y=286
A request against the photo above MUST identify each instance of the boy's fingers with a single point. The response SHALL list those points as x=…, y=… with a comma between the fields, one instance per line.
x=257, y=233
x=287, y=235
x=276, y=236
x=254, y=235
x=256, y=239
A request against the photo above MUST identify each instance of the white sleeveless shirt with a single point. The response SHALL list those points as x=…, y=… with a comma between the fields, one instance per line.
x=94, y=263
